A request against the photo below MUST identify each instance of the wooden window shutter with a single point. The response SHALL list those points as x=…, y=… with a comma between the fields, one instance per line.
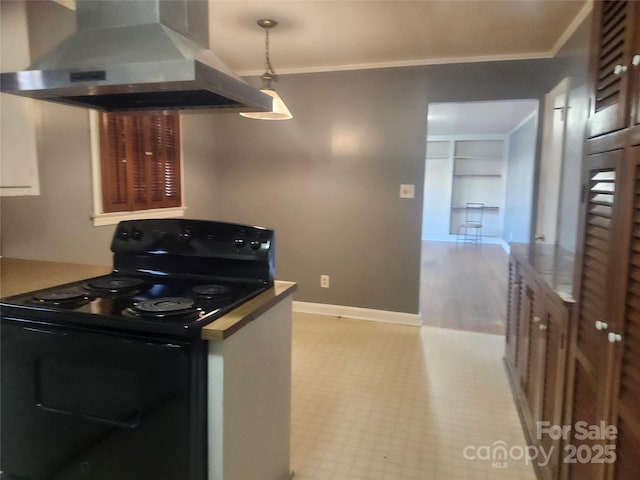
x=140, y=156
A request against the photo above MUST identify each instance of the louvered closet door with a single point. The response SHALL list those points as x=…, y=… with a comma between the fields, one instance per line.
x=595, y=299
x=611, y=53
x=626, y=403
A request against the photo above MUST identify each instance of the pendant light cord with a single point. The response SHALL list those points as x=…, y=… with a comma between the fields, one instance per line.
x=268, y=60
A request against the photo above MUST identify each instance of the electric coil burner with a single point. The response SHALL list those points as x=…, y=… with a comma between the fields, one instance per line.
x=217, y=292
x=64, y=297
x=106, y=378
x=165, y=307
x=114, y=285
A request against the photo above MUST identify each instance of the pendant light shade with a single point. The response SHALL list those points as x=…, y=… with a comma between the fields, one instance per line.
x=279, y=110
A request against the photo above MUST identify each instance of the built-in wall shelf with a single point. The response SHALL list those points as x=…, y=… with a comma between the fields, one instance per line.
x=461, y=170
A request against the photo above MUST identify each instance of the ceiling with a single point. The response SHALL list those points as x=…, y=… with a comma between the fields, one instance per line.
x=324, y=35
x=478, y=118
x=328, y=35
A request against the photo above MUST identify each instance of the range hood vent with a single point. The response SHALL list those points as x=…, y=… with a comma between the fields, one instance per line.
x=132, y=55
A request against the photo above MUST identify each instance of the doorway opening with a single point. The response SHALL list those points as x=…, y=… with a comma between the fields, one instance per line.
x=477, y=152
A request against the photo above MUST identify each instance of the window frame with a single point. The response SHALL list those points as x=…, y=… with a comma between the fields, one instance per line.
x=101, y=218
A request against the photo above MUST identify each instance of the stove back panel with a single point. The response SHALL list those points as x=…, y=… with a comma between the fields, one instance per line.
x=194, y=247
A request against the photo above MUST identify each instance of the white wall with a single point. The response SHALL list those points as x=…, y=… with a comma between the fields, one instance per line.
x=520, y=182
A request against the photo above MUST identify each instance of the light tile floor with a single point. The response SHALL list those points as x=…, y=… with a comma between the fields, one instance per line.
x=375, y=401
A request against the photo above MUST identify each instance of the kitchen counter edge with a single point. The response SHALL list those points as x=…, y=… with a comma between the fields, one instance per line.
x=551, y=264
x=233, y=321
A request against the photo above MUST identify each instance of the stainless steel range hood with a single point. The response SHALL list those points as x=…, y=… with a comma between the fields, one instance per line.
x=137, y=55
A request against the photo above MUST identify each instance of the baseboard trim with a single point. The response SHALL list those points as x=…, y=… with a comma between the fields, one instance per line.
x=358, y=313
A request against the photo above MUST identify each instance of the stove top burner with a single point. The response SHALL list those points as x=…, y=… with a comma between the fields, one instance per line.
x=69, y=296
x=114, y=285
x=165, y=307
x=212, y=291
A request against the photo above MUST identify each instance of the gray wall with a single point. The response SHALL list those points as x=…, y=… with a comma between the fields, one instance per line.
x=519, y=188
x=327, y=181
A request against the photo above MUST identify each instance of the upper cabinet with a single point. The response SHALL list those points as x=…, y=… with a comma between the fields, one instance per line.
x=18, y=116
x=615, y=65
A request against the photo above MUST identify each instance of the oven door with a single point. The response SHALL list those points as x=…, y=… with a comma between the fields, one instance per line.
x=89, y=405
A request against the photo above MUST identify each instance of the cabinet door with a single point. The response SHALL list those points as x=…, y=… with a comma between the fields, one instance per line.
x=626, y=347
x=513, y=313
x=555, y=330
x=598, y=266
x=610, y=61
x=535, y=363
x=635, y=69
x=19, y=116
x=528, y=294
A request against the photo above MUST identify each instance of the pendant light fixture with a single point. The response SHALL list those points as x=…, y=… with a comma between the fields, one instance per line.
x=279, y=110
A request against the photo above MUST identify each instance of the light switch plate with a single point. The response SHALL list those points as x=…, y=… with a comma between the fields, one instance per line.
x=407, y=191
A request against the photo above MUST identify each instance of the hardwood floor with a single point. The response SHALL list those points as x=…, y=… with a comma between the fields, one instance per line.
x=464, y=286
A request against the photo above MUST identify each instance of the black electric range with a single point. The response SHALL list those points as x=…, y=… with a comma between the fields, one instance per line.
x=169, y=276
x=107, y=377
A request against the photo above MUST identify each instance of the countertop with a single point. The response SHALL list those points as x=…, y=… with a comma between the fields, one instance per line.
x=233, y=321
x=19, y=276
x=553, y=264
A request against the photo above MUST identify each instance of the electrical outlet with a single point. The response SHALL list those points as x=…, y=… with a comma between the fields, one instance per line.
x=407, y=191
x=324, y=281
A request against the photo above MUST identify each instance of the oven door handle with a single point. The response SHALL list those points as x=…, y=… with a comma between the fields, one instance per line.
x=130, y=423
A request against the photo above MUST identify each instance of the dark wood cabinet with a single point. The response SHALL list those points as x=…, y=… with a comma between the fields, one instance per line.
x=539, y=316
x=624, y=336
x=581, y=370
x=614, y=66
x=604, y=378
x=603, y=381
x=598, y=268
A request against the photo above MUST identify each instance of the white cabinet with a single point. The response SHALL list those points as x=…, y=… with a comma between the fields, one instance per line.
x=18, y=116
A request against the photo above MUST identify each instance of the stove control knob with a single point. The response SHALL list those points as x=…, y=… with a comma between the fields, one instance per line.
x=136, y=234
x=255, y=245
x=123, y=234
x=184, y=236
x=239, y=242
